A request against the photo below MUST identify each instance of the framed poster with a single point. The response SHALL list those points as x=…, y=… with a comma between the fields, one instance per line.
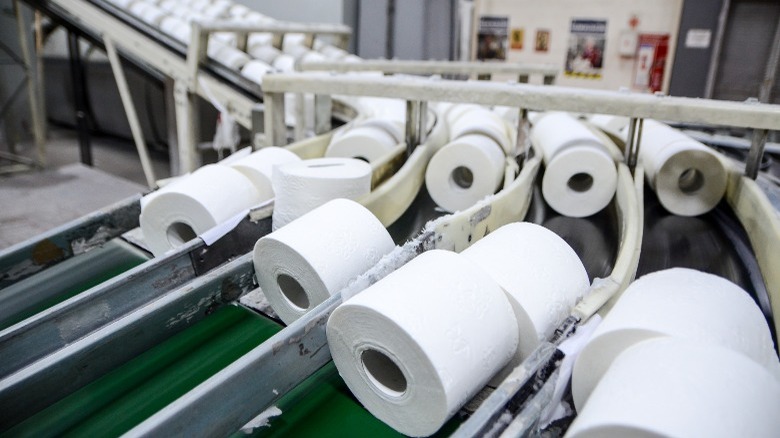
x=492, y=37
x=585, y=55
x=516, y=42
x=542, y=40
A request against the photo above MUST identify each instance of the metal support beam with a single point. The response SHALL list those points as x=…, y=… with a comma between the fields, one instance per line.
x=416, y=118
x=186, y=128
x=37, y=115
x=323, y=106
x=523, y=143
x=132, y=116
x=756, y=153
x=633, y=141
x=257, y=138
x=717, y=46
x=80, y=98
x=275, y=129
x=768, y=84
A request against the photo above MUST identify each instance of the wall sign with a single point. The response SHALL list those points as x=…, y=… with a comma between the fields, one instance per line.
x=698, y=38
x=585, y=56
x=492, y=37
x=542, y=40
x=516, y=41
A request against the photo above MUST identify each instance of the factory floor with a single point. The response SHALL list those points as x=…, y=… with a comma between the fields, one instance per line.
x=35, y=201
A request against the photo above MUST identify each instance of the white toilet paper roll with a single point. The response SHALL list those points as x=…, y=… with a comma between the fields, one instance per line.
x=464, y=171
x=333, y=53
x=264, y=52
x=228, y=38
x=292, y=39
x=228, y=56
x=153, y=15
x=316, y=255
x=580, y=177
x=139, y=8
x=417, y=345
x=579, y=181
x=284, y=63
x=541, y=274
x=258, y=167
x=124, y=4
x=676, y=303
x=679, y=388
x=194, y=204
x=217, y=10
x=612, y=125
x=687, y=176
x=261, y=38
x=255, y=69
x=238, y=11
x=480, y=120
x=364, y=143
x=302, y=186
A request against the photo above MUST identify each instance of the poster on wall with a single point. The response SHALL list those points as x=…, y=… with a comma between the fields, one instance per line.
x=585, y=55
x=651, y=62
x=516, y=42
x=492, y=37
x=542, y=40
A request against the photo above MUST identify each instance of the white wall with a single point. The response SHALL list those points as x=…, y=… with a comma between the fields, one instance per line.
x=657, y=16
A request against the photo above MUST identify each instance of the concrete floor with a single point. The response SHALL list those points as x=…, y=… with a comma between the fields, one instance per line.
x=35, y=201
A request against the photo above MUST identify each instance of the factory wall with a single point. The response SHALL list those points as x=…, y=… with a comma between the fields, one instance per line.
x=691, y=60
x=622, y=20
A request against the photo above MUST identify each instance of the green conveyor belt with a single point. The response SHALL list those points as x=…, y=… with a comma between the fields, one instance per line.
x=128, y=395
x=69, y=278
x=322, y=406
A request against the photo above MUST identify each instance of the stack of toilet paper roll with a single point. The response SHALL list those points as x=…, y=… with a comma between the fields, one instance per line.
x=471, y=165
x=580, y=176
x=302, y=186
x=418, y=344
x=208, y=197
x=302, y=264
x=369, y=140
x=677, y=303
x=688, y=177
x=680, y=388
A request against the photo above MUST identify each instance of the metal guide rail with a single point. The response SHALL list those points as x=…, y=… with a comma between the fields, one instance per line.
x=235, y=395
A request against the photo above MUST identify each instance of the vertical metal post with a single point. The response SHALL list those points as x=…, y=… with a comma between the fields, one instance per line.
x=323, y=106
x=633, y=142
x=765, y=92
x=522, y=143
x=756, y=153
x=257, y=136
x=132, y=116
x=416, y=118
x=717, y=46
x=79, y=98
x=299, y=130
x=33, y=83
x=186, y=127
x=275, y=129
x=169, y=94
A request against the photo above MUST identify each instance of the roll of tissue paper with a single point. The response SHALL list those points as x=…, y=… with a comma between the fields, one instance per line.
x=264, y=53
x=255, y=69
x=687, y=176
x=259, y=166
x=316, y=255
x=541, y=274
x=227, y=55
x=417, y=345
x=580, y=177
x=680, y=388
x=480, y=120
x=194, y=204
x=464, y=171
x=369, y=141
x=681, y=303
x=302, y=186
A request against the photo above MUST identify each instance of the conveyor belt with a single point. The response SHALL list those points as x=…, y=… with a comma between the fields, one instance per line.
x=129, y=394
x=69, y=278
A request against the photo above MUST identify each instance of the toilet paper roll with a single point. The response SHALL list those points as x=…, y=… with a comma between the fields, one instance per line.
x=292, y=39
x=541, y=274
x=302, y=186
x=687, y=176
x=612, y=125
x=261, y=38
x=228, y=38
x=258, y=167
x=228, y=56
x=139, y=8
x=554, y=132
x=680, y=388
x=417, y=345
x=238, y=11
x=264, y=52
x=464, y=171
x=316, y=255
x=153, y=15
x=311, y=56
x=579, y=181
x=680, y=303
x=124, y=4
x=168, y=5
x=194, y=204
x=284, y=63
x=333, y=53
x=480, y=120
x=200, y=5
x=296, y=51
x=255, y=69
x=217, y=10
x=364, y=143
